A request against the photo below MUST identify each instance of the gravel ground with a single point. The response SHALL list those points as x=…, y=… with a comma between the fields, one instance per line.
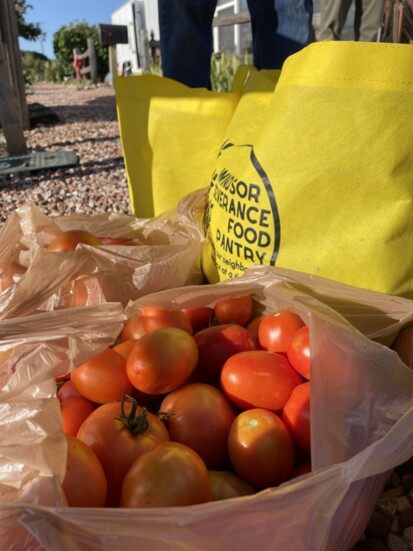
x=88, y=127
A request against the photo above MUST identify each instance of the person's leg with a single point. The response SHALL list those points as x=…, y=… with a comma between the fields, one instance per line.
x=333, y=15
x=371, y=17
x=186, y=40
x=264, y=23
x=295, y=26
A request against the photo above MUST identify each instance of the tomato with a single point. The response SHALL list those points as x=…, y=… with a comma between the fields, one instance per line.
x=403, y=345
x=215, y=345
x=170, y=475
x=67, y=390
x=226, y=484
x=154, y=317
x=74, y=411
x=298, y=351
x=118, y=438
x=254, y=325
x=234, y=310
x=259, y=379
x=123, y=348
x=304, y=468
x=70, y=239
x=162, y=360
x=132, y=329
x=296, y=415
x=201, y=418
x=84, y=483
x=200, y=317
x=261, y=448
x=276, y=330
x=103, y=378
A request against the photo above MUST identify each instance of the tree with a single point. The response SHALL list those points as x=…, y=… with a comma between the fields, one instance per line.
x=29, y=31
x=75, y=35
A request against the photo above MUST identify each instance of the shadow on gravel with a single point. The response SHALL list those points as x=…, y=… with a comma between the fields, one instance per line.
x=98, y=109
x=78, y=172
x=86, y=140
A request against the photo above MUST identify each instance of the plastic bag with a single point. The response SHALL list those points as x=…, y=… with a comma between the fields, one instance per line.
x=361, y=429
x=37, y=280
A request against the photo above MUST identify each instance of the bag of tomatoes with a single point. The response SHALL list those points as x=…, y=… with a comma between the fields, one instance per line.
x=49, y=263
x=280, y=397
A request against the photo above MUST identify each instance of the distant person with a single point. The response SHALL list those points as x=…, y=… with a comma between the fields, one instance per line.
x=279, y=29
x=367, y=19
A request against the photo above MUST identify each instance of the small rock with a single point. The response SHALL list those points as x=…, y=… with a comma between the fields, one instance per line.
x=387, y=506
x=405, y=519
x=403, y=504
x=408, y=537
x=395, y=543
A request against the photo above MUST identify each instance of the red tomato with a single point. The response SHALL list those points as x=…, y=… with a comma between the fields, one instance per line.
x=103, y=378
x=225, y=485
x=215, y=345
x=200, y=317
x=170, y=475
x=117, y=443
x=254, y=325
x=70, y=239
x=261, y=448
x=296, y=415
x=162, y=360
x=67, y=390
x=84, y=483
x=298, y=351
x=123, y=348
x=234, y=310
x=132, y=329
x=154, y=317
x=259, y=379
x=201, y=418
x=304, y=468
x=74, y=411
x=403, y=345
x=276, y=330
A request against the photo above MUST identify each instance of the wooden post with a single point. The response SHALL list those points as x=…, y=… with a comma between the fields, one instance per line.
x=9, y=37
x=113, y=62
x=93, y=64
x=10, y=113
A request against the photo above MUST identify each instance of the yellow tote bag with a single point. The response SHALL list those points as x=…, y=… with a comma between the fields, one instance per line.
x=323, y=181
x=170, y=136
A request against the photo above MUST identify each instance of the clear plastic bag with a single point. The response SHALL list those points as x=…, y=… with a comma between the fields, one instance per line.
x=361, y=408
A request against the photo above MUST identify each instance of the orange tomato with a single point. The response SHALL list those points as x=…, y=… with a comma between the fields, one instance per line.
x=70, y=239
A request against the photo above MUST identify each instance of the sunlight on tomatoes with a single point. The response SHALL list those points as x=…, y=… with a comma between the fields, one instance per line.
x=70, y=239
x=259, y=379
x=298, y=351
x=215, y=345
x=234, y=310
x=123, y=348
x=132, y=329
x=296, y=415
x=115, y=443
x=102, y=378
x=84, y=483
x=261, y=448
x=170, y=475
x=74, y=411
x=154, y=318
x=201, y=416
x=276, y=330
x=162, y=360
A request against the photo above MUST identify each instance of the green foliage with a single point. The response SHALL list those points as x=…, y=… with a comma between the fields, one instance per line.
x=223, y=69
x=75, y=35
x=29, y=31
x=38, y=68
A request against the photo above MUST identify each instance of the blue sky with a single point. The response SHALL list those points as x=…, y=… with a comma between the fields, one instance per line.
x=52, y=15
